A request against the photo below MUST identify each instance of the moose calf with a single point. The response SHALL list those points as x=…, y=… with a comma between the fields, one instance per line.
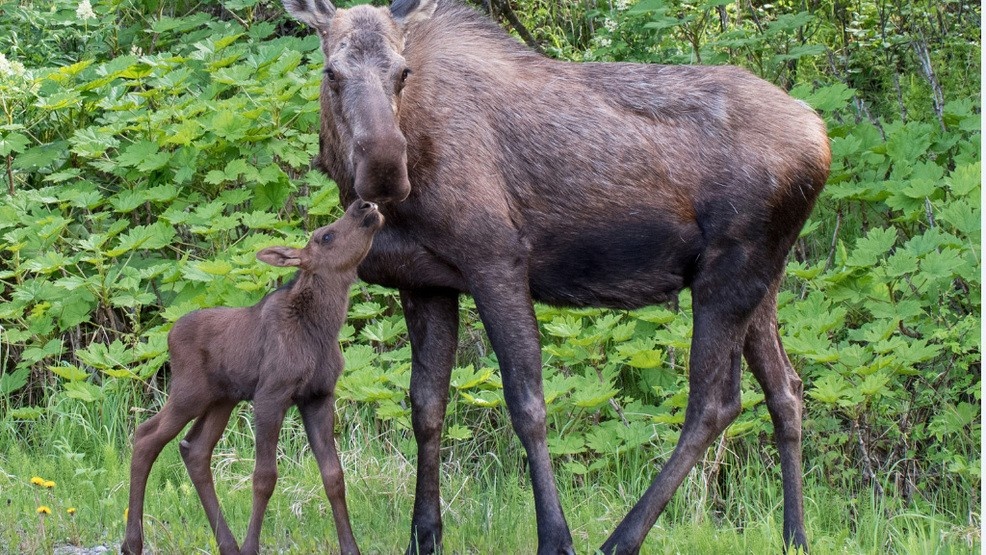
x=280, y=352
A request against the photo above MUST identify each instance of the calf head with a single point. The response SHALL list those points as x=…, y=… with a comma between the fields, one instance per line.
x=364, y=75
x=335, y=248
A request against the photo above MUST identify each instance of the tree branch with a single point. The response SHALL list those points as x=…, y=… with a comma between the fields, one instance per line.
x=10, y=174
x=924, y=62
x=503, y=6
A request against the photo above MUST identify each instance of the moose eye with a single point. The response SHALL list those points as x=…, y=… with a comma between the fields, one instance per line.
x=405, y=74
x=328, y=237
x=330, y=74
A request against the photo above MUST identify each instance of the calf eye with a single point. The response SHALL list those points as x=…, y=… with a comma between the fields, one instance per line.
x=328, y=237
x=404, y=74
x=330, y=74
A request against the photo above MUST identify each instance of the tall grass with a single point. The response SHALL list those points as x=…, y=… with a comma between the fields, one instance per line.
x=734, y=507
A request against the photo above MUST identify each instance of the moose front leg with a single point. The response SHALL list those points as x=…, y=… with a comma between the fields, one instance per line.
x=506, y=309
x=433, y=326
x=268, y=417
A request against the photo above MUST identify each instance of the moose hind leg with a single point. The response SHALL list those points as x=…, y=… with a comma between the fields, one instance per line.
x=149, y=439
x=713, y=403
x=783, y=391
x=725, y=294
x=196, y=450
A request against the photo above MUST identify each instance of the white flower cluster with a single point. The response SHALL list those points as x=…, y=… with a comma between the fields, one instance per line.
x=9, y=68
x=84, y=11
x=622, y=5
x=609, y=24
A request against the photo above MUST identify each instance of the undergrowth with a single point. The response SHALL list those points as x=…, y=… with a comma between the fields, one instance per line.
x=148, y=150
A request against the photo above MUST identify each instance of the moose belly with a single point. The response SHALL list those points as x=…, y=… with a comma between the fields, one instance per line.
x=623, y=265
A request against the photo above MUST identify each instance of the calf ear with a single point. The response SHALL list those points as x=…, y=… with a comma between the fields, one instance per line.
x=280, y=256
x=409, y=11
x=316, y=13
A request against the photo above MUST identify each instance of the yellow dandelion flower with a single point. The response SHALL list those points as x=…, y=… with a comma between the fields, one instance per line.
x=48, y=484
x=38, y=481
x=44, y=510
x=71, y=511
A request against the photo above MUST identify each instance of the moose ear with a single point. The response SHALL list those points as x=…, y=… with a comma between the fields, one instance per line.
x=280, y=256
x=409, y=11
x=315, y=13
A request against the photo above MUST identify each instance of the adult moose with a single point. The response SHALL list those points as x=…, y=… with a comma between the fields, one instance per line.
x=512, y=177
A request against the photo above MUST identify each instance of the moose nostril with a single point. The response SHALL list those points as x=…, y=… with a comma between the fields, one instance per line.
x=367, y=205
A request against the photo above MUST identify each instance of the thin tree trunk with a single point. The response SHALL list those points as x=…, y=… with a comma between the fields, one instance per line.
x=924, y=62
x=10, y=174
x=900, y=95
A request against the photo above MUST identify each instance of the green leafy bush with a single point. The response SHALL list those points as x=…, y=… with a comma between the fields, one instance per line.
x=148, y=154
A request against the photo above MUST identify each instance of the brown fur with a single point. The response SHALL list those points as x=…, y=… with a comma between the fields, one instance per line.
x=613, y=185
x=283, y=351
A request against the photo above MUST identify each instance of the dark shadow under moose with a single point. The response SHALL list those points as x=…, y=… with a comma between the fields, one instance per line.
x=515, y=178
x=283, y=351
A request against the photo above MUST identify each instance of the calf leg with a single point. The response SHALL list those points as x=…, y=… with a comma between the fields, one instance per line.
x=433, y=327
x=268, y=418
x=319, y=419
x=149, y=439
x=196, y=450
x=782, y=389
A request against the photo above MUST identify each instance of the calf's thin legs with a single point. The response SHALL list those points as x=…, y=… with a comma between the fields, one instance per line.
x=196, y=450
x=149, y=439
x=268, y=417
x=433, y=327
x=319, y=419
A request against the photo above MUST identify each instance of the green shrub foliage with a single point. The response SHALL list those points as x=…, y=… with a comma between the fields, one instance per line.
x=150, y=149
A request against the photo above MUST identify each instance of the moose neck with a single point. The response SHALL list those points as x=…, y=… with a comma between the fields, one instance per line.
x=318, y=302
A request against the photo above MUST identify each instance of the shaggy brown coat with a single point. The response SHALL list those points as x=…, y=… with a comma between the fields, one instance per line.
x=283, y=351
